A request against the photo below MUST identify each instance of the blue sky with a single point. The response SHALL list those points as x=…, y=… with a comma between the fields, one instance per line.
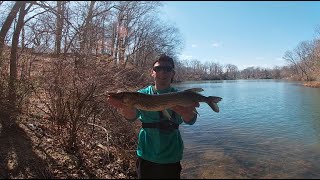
x=242, y=33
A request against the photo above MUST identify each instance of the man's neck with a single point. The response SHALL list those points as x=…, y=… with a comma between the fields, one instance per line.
x=161, y=87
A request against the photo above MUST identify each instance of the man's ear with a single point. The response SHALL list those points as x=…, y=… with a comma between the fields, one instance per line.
x=151, y=72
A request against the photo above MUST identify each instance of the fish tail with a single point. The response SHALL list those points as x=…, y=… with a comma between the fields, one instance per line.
x=212, y=102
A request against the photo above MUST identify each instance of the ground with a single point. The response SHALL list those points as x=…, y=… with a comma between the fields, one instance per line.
x=27, y=153
x=18, y=158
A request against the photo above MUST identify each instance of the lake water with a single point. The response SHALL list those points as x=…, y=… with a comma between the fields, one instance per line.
x=265, y=129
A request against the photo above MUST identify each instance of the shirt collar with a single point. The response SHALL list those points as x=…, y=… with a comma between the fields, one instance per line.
x=166, y=90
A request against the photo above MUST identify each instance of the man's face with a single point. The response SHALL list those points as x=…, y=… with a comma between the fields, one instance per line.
x=162, y=72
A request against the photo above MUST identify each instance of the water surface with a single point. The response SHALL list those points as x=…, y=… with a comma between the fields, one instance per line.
x=265, y=129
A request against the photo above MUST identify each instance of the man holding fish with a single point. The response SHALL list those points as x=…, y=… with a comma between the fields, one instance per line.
x=161, y=109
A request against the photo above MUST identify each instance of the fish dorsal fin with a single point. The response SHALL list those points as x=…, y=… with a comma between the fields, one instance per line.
x=196, y=90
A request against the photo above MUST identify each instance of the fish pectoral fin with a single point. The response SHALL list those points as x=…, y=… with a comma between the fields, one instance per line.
x=196, y=90
x=166, y=114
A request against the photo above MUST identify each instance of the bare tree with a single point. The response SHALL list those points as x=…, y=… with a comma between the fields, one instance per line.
x=13, y=59
x=231, y=71
x=6, y=26
x=302, y=60
x=60, y=15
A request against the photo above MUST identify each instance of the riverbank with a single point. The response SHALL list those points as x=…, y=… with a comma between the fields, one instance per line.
x=314, y=84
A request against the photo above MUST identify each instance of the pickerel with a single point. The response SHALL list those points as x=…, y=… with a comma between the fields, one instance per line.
x=160, y=102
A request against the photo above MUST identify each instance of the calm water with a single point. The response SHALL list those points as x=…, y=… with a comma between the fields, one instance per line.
x=265, y=129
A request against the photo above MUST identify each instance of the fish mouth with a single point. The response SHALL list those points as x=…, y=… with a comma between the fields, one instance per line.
x=111, y=94
x=115, y=95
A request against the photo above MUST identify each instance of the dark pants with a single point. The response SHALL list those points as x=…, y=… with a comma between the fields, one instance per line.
x=150, y=170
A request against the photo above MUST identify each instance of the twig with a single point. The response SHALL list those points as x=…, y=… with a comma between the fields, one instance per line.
x=107, y=136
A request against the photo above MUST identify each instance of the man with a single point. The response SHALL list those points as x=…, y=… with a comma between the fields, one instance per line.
x=160, y=146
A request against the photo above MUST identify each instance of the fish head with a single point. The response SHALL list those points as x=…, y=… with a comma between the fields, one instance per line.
x=124, y=97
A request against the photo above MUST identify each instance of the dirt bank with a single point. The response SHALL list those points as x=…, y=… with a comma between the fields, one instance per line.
x=314, y=84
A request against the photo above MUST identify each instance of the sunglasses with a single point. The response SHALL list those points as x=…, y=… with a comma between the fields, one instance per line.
x=163, y=68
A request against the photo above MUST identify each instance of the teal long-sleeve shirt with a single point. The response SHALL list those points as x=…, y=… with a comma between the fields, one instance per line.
x=153, y=144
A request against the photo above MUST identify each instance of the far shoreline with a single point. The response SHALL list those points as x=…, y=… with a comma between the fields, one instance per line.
x=313, y=84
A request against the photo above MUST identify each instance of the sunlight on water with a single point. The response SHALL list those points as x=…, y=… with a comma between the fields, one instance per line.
x=265, y=129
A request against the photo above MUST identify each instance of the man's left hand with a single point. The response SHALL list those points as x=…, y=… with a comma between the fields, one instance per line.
x=187, y=113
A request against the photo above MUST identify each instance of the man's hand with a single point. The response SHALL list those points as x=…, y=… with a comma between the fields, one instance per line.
x=187, y=113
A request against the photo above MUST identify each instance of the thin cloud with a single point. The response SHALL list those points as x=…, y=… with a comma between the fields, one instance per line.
x=194, y=45
x=244, y=66
x=184, y=56
x=259, y=58
x=215, y=44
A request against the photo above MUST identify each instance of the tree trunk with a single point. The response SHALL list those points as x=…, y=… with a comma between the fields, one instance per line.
x=60, y=17
x=6, y=26
x=85, y=30
x=13, y=62
x=113, y=41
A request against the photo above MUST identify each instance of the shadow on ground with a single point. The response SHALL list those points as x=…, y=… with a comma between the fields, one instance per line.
x=17, y=158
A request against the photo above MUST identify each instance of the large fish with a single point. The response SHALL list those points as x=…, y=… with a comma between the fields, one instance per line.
x=161, y=102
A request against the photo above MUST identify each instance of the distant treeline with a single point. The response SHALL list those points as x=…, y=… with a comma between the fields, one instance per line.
x=303, y=65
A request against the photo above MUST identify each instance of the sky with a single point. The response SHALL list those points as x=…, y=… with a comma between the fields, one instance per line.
x=242, y=33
